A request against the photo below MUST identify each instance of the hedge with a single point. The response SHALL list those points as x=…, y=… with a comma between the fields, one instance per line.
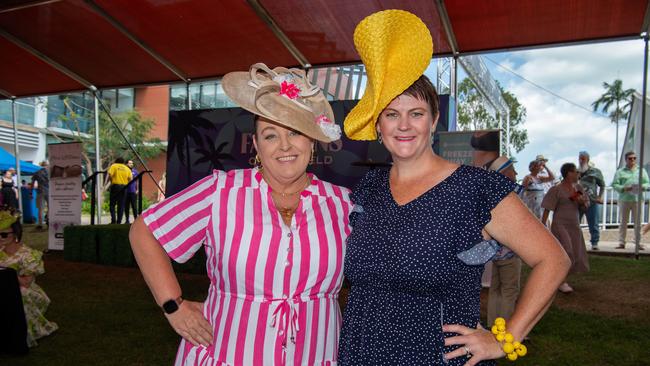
x=109, y=245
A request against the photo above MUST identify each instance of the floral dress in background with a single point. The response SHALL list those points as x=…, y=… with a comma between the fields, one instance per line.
x=28, y=262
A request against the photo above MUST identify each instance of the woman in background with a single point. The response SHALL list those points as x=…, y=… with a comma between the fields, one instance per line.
x=9, y=190
x=28, y=263
x=534, y=186
x=566, y=199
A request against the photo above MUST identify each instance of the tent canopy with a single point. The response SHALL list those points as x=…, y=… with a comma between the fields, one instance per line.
x=57, y=46
x=7, y=161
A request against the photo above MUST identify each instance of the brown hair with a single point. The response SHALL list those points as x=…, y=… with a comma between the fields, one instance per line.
x=424, y=90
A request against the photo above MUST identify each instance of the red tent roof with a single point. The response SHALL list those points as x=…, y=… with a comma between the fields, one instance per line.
x=55, y=46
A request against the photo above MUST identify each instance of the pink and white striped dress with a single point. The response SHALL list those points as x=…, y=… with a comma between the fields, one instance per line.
x=273, y=288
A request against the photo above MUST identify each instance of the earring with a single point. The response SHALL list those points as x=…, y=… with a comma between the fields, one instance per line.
x=312, y=159
x=258, y=162
x=379, y=139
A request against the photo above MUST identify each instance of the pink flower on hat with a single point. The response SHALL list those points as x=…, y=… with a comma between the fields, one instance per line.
x=322, y=119
x=289, y=90
x=329, y=128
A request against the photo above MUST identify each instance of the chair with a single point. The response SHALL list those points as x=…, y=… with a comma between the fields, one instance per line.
x=13, y=325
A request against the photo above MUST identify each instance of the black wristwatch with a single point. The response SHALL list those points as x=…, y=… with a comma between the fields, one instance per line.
x=170, y=306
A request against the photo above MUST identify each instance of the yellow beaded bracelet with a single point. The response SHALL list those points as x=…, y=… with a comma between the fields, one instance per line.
x=512, y=349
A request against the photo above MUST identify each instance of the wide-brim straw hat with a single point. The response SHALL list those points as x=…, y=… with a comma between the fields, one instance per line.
x=284, y=96
x=396, y=48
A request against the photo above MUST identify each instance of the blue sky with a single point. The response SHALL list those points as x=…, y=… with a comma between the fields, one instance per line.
x=558, y=129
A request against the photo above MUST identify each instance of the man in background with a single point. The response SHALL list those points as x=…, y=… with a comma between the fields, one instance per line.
x=131, y=194
x=626, y=183
x=591, y=179
x=41, y=183
x=119, y=175
x=506, y=267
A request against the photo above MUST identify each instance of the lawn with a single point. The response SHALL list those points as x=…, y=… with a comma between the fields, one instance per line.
x=107, y=317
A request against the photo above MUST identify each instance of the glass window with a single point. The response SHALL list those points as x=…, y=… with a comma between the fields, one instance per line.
x=25, y=111
x=203, y=95
x=195, y=96
x=222, y=100
x=5, y=110
x=118, y=100
x=71, y=111
x=177, y=97
x=209, y=95
x=125, y=100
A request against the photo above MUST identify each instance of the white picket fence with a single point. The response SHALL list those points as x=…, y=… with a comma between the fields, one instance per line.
x=611, y=213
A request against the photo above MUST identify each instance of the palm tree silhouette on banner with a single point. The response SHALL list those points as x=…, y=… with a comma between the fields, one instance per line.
x=212, y=154
x=180, y=135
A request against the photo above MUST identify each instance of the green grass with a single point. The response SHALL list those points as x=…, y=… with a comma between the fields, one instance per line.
x=107, y=316
x=572, y=338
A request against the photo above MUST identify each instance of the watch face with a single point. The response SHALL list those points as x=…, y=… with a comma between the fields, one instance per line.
x=170, y=306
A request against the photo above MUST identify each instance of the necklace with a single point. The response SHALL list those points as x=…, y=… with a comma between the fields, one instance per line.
x=287, y=194
x=288, y=212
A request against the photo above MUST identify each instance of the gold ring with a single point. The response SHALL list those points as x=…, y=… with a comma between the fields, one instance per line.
x=468, y=352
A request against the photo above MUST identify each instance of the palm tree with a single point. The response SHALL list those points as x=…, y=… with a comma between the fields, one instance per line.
x=614, y=96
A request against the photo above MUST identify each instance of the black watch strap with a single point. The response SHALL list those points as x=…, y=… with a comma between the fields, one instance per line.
x=171, y=306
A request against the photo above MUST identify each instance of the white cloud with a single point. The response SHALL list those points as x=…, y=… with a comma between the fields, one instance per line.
x=556, y=128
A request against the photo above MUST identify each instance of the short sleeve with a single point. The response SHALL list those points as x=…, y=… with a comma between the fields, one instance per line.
x=362, y=191
x=494, y=189
x=550, y=199
x=180, y=222
x=32, y=263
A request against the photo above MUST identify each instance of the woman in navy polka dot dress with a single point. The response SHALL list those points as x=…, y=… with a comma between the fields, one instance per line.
x=414, y=257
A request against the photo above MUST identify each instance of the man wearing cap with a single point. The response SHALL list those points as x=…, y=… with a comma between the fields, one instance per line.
x=626, y=183
x=591, y=179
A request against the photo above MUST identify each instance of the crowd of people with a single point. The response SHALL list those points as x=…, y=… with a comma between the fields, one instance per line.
x=587, y=192
x=38, y=188
x=578, y=195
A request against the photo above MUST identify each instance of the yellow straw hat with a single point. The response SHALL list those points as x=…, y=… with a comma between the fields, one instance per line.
x=396, y=48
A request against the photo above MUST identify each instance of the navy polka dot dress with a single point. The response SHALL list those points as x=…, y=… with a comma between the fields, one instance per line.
x=406, y=279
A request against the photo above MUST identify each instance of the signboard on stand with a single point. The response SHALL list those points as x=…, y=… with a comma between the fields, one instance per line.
x=475, y=148
x=64, y=204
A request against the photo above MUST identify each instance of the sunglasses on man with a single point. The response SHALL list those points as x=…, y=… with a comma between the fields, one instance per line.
x=631, y=158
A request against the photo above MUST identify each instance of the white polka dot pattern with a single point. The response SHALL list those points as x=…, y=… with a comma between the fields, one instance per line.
x=406, y=279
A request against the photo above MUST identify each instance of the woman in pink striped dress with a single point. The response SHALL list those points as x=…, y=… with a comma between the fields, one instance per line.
x=274, y=238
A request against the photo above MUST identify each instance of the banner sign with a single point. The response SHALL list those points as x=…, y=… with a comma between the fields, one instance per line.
x=476, y=148
x=632, y=140
x=64, y=204
x=202, y=140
